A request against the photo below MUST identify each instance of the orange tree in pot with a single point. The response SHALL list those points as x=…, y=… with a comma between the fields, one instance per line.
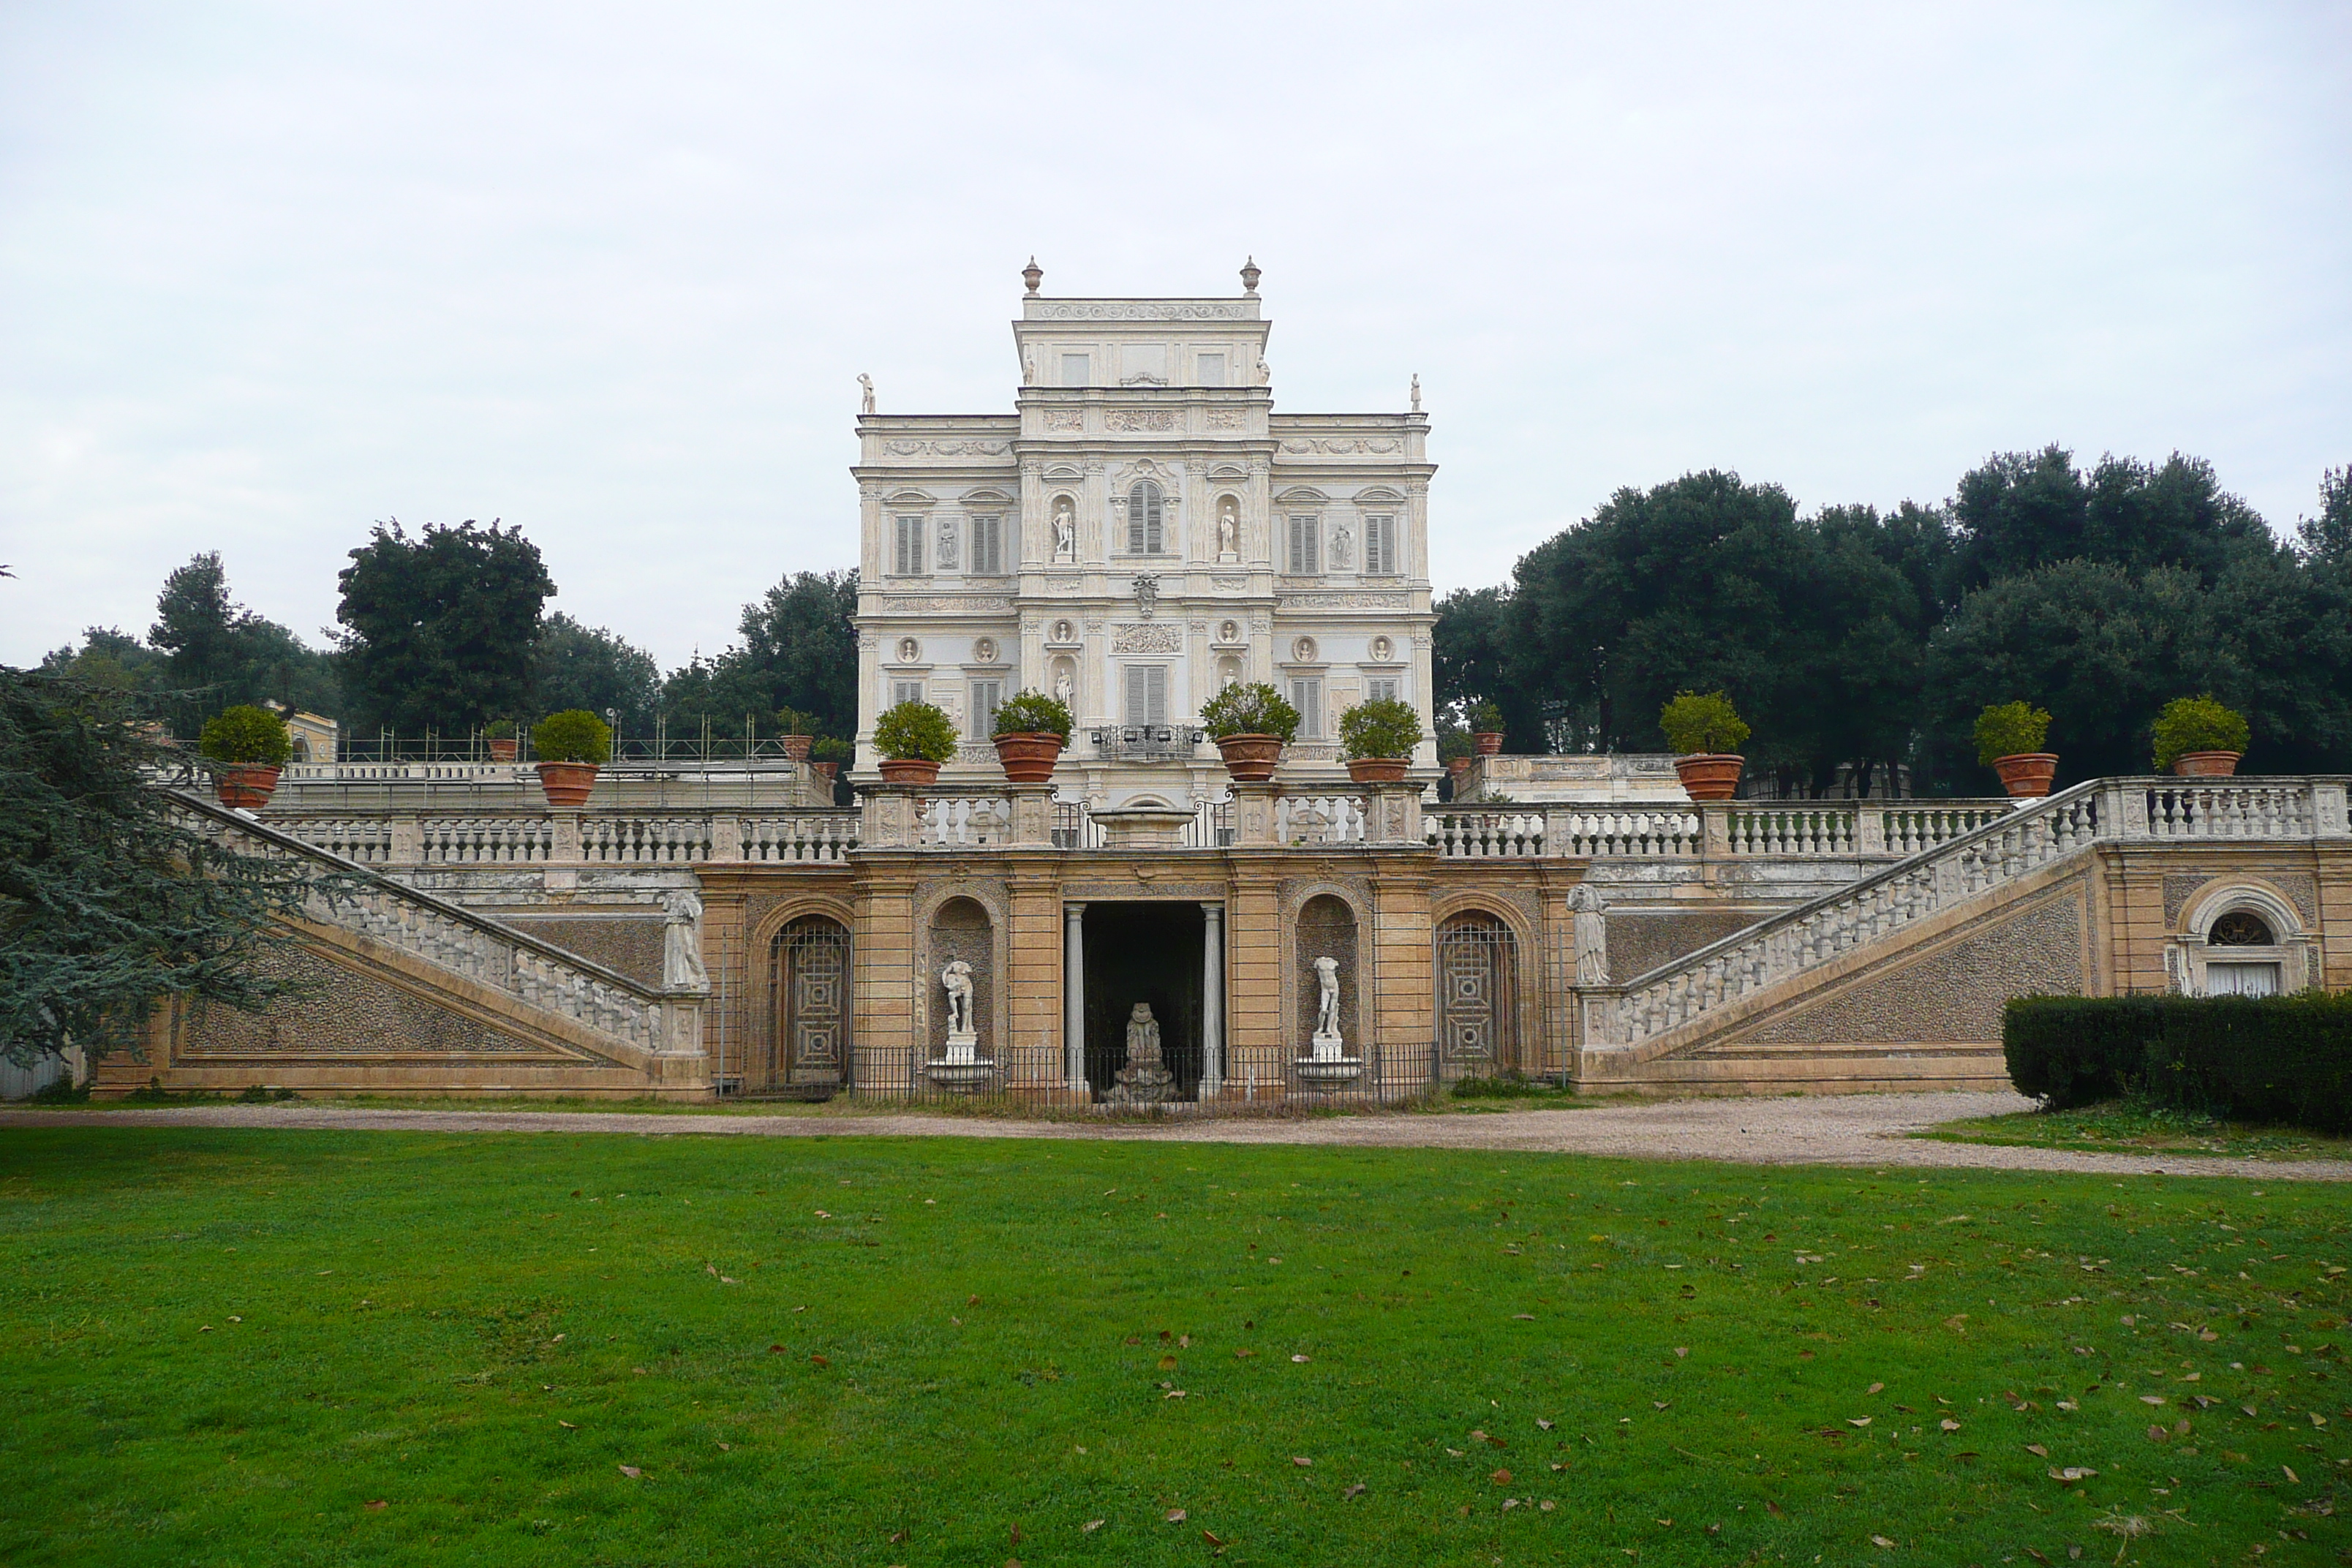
x=499, y=736
x=914, y=739
x=1377, y=736
x=1706, y=733
x=1251, y=724
x=2009, y=740
x=571, y=747
x=251, y=745
x=2196, y=737
x=1487, y=728
x=1030, y=731
x=797, y=733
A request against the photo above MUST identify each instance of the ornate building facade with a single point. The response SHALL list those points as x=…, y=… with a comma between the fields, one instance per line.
x=1143, y=530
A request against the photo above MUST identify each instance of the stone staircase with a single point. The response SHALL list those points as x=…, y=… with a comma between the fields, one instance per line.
x=1897, y=981
x=410, y=993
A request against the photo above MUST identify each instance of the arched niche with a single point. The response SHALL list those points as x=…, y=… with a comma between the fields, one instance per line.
x=1477, y=976
x=960, y=929
x=1325, y=928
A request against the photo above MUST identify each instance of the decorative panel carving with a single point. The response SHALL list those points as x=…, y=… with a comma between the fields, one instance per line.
x=1156, y=638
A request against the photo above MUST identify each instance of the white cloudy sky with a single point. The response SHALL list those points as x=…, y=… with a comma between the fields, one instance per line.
x=270, y=272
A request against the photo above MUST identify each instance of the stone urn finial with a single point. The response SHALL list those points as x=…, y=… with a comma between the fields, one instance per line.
x=1033, y=275
x=1250, y=275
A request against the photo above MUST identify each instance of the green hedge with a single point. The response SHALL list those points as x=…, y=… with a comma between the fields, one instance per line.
x=2286, y=1060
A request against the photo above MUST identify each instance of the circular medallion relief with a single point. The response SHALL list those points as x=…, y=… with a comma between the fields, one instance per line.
x=1064, y=632
x=1229, y=631
x=909, y=650
x=1303, y=650
x=985, y=650
x=1382, y=648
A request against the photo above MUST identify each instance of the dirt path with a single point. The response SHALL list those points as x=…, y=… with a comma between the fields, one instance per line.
x=1827, y=1130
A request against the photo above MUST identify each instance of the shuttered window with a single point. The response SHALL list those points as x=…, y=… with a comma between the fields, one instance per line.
x=1143, y=518
x=1378, y=686
x=1380, y=546
x=906, y=692
x=1147, y=694
x=1306, y=696
x=909, y=560
x=987, y=696
x=987, y=546
x=1306, y=543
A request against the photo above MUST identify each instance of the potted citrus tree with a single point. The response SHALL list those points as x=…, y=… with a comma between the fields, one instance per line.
x=571, y=747
x=827, y=754
x=1487, y=727
x=799, y=734
x=500, y=735
x=2195, y=737
x=1706, y=732
x=1251, y=724
x=2009, y=742
x=1031, y=731
x=914, y=739
x=1378, y=737
x=251, y=745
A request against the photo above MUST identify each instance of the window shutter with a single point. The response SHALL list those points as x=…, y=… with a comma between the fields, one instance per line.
x=906, y=692
x=1306, y=543
x=910, y=547
x=987, y=696
x=1155, y=689
x=1379, y=546
x=1375, y=689
x=1143, y=537
x=987, y=545
x=1306, y=696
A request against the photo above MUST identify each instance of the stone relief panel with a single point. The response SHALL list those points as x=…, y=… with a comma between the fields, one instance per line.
x=1136, y=310
x=1343, y=601
x=348, y=1014
x=1139, y=419
x=1953, y=994
x=1156, y=638
x=2301, y=887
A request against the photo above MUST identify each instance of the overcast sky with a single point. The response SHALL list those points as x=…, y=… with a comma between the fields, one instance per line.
x=270, y=273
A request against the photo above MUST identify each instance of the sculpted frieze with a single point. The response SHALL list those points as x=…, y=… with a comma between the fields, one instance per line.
x=910, y=605
x=1134, y=419
x=1152, y=636
x=1343, y=601
x=1137, y=311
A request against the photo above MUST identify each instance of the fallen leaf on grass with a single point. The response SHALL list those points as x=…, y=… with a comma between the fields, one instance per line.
x=1501, y=1477
x=1173, y=1394
x=567, y=1426
x=2037, y=1450
x=1175, y=1516
x=631, y=1471
x=1299, y=1359
x=1881, y=1542
x=2151, y=1399
x=775, y=1350
x=2290, y=1475
x=2071, y=1474
x=379, y=1503
x=1857, y=1420
x=1301, y=1461
x=1212, y=1538
x=1091, y=1526
x=816, y=1360
x=1542, y=1425
x=1352, y=1492
x=1874, y=1388
x=1523, y=1317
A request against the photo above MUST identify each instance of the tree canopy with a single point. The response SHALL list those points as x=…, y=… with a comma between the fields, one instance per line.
x=589, y=667
x=439, y=629
x=798, y=650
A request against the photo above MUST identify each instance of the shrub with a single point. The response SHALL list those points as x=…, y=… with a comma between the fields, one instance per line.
x=1379, y=727
x=575, y=735
x=1694, y=723
x=1255, y=709
x=246, y=734
x=498, y=729
x=2283, y=1060
x=915, y=730
x=2010, y=729
x=1453, y=742
x=2197, y=724
x=1032, y=713
x=830, y=749
x=1485, y=718
x=793, y=721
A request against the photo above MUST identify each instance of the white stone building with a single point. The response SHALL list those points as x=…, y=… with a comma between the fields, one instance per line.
x=1143, y=530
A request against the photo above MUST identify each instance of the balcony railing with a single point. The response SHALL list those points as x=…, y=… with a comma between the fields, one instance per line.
x=1146, y=743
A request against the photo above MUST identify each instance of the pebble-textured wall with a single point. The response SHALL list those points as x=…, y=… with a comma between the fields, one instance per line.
x=1639, y=942
x=2301, y=887
x=626, y=944
x=1951, y=996
x=347, y=1013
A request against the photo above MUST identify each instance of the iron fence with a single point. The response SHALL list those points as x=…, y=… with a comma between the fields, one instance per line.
x=1015, y=1080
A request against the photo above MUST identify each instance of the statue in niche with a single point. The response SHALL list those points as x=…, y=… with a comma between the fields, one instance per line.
x=1264, y=373
x=947, y=545
x=1327, y=1006
x=1587, y=908
x=1066, y=529
x=1343, y=545
x=682, y=943
x=866, y=399
x=1229, y=526
x=909, y=650
x=956, y=978
x=1062, y=690
x=1144, y=1080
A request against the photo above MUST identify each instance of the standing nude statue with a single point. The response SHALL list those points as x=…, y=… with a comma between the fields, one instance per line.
x=957, y=978
x=867, y=397
x=1326, y=1010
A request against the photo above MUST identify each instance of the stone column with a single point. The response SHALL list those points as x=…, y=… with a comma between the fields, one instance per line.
x=1074, y=993
x=1213, y=1001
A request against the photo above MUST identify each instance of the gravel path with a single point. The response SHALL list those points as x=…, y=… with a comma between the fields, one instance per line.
x=1823, y=1130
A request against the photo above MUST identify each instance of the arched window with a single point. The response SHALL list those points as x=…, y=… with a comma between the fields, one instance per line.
x=1143, y=515
x=2239, y=928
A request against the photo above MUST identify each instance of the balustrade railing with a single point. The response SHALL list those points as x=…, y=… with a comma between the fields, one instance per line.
x=1612, y=834
x=484, y=840
x=591, y=838
x=1320, y=818
x=962, y=821
x=808, y=836
x=1485, y=834
x=2235, y=808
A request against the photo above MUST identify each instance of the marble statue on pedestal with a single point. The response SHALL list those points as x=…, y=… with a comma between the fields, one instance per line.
x=1144, y=1080
x=963, y=1068
x=865, y=397
x=1066, y=530
x=1587, y=909
x=682, y=943
x=1327, y=1062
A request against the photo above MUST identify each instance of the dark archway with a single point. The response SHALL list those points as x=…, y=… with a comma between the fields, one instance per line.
x=1144, y=952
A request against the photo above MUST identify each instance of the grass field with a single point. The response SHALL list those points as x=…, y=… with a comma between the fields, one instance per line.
x=2114, y=1127
x=230, y=1347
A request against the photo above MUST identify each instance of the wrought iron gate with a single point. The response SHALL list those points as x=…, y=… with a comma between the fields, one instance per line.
x=1477, y=997
x=809, y=1005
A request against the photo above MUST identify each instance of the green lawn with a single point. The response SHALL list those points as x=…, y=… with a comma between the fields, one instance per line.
x=254, y=1347
x=2114, y=1127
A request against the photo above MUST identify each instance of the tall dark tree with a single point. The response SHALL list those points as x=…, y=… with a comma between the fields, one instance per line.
x=438, y=629
x=108, y=902
x=576, y=666
x=2020, y=511
x=798, y=651
x=1468, y=654
x=2328, y=536
x=216, y=653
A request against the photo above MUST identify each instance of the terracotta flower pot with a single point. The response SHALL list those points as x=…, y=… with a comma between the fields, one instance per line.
x=1250, y=758
x=796, y=747
x=1028, y=755
x=1489, y=741
x=2027, y=774
x=246, y=786
x=824, y=770
x=503, y=751
x=2206, y=764
x=1457, y=767
x=1710, y=775
x=1378, y=770
x=566, y=784
x=909, y=771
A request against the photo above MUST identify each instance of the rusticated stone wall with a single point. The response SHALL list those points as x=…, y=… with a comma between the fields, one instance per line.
x=626, y=944
x=346, y=1013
